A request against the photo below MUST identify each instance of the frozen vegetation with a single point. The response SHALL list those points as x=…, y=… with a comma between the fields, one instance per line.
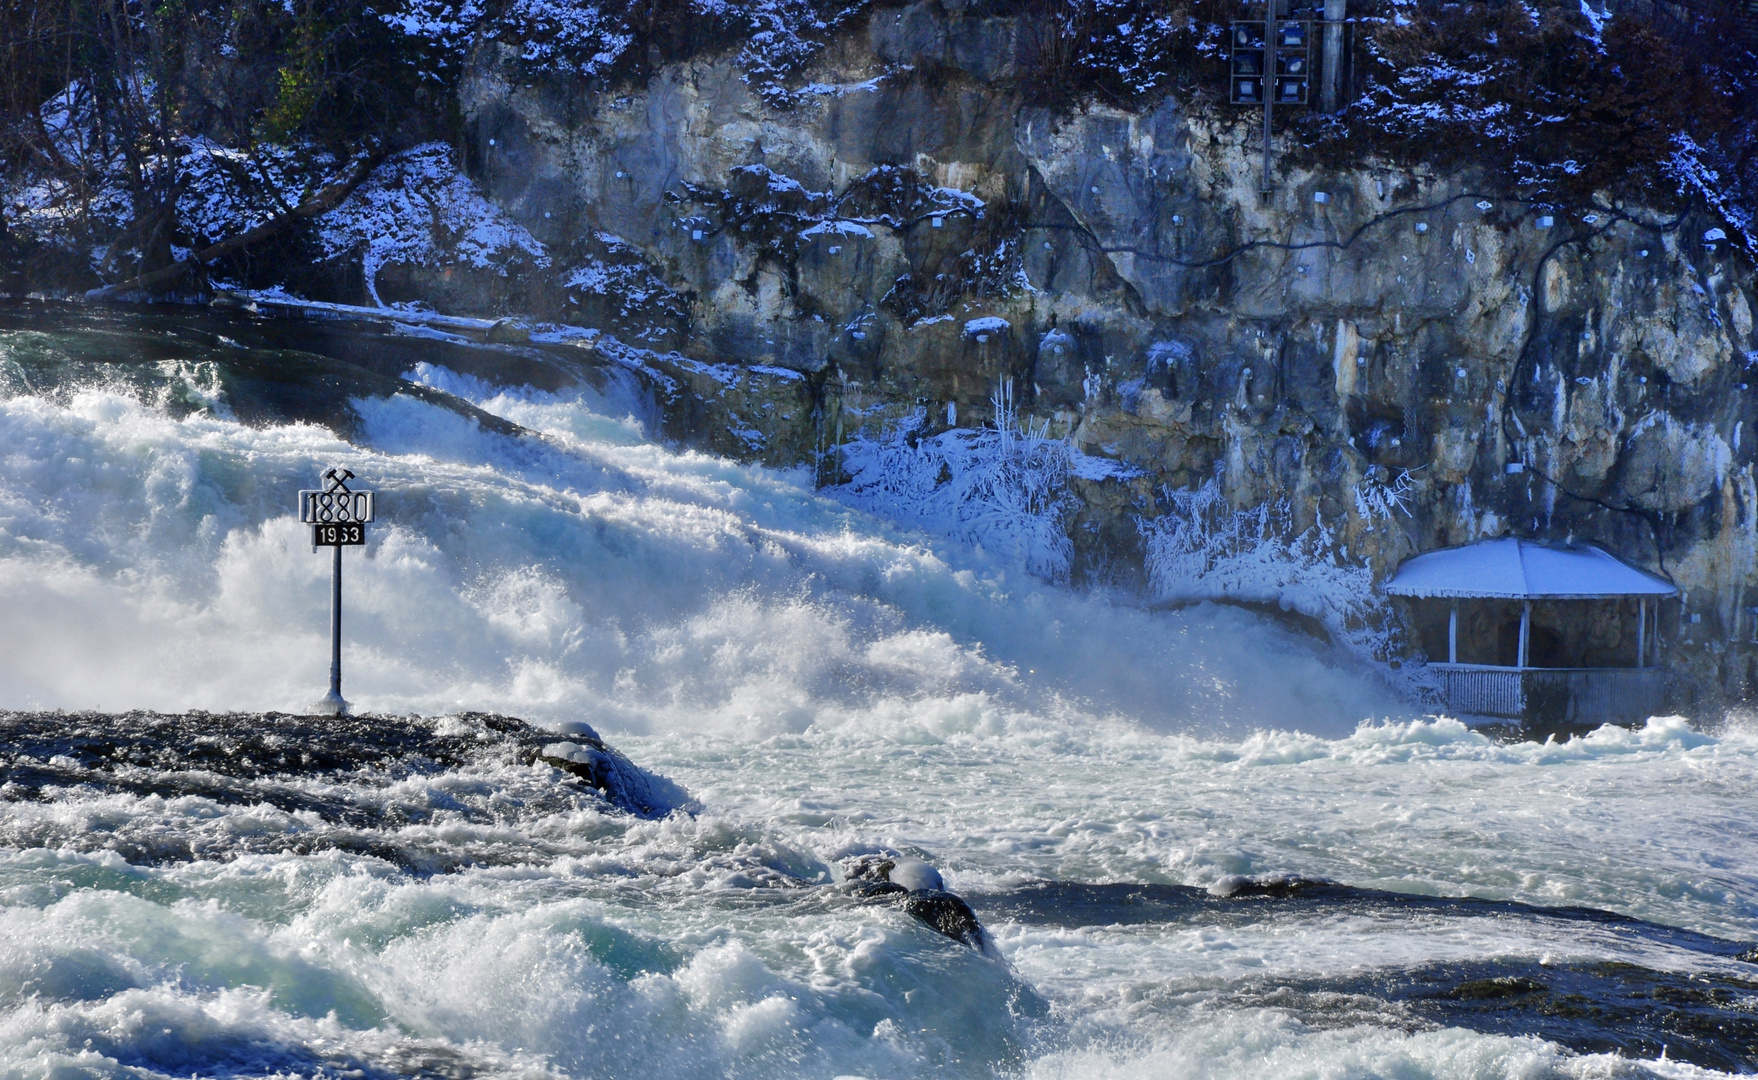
x=1558, y=99
x=418, y=208
x=1204, y=548
x=216, y=191
x=1002, y=488
x=415, y=208
x=777, y=38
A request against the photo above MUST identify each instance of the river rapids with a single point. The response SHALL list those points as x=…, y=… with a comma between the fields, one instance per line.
x=1200, y=843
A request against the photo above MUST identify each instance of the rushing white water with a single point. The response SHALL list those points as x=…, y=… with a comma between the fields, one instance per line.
x=826, y=685
x=590, y=573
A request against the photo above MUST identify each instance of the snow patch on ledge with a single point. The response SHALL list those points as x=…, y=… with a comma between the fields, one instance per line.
x=870, y=86
x=280, y=297
x=957, y=197
x=1088, y=467
x=838, y=227
x=777, y=372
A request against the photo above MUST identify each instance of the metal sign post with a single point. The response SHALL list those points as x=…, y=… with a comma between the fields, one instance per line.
x=338, y=518
x=1331, y=92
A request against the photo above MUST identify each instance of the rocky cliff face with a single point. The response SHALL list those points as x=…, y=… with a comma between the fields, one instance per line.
x=912, y=237
x=910, y=240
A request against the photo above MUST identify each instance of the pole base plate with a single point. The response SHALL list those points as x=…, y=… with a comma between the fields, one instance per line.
x=331, y=704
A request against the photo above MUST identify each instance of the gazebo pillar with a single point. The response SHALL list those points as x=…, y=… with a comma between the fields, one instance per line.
x=1642, y=631
x=1525, y=632
x=1453, y=633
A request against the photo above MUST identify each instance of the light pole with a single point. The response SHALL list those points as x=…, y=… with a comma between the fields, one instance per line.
x=1270, y=64
x=1270, y=58
x=1331, y=94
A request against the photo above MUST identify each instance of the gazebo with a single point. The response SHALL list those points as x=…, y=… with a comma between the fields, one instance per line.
x=1545, y=633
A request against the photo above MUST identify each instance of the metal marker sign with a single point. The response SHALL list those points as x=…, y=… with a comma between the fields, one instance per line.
x=338, y=517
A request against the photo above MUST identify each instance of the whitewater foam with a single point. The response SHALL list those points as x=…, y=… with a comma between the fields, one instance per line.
x=826, y=683
x=583, y=572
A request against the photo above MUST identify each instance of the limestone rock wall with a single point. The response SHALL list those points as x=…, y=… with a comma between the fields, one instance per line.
x=913, y=236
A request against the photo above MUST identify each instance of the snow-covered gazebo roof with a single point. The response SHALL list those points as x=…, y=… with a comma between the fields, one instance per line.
x=1522, y=570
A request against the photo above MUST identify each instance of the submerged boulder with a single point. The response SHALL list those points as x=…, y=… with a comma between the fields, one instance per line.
x=920, y=892
x=618, y=779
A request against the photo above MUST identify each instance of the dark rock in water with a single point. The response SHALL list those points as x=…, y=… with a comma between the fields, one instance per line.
x=1507, y=986
x=591, y=763
x=1692, y=1007
x=343, y=782
x=1279, y=887
x=894, y=881
x=621, y=781
x=948, y=914
x=54, y=748
x=870, y=875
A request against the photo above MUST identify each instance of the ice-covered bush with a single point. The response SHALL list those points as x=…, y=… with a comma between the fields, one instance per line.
x=1003, y=488
x=1561, y=101
x=617, y=39
x=417, y=208
x=105, y=207
x=1203, y=548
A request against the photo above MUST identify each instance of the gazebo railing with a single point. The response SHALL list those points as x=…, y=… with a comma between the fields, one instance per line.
x=1570, y=695
x=1480, y=690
